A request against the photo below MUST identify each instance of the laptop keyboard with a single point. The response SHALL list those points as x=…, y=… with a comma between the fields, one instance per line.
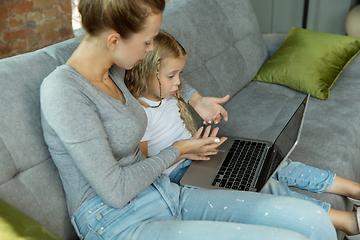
x=239, y=166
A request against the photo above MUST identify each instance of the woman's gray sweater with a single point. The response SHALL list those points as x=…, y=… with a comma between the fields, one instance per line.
x=94, y=139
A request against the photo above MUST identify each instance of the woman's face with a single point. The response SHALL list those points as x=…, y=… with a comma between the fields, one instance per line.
x=132, y=50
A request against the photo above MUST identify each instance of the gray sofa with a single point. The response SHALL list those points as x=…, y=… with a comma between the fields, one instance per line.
x=225, y=51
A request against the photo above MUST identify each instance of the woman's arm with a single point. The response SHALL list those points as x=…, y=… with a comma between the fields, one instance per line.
x=144, y=150
x=208, y=108
x=78, y=139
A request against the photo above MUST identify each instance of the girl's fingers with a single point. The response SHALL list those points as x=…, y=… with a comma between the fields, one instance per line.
x=212, y=143
x=198, y=133
x=214, y=132
x=207, y=132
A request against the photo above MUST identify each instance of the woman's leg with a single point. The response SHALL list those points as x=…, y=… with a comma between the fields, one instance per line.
x=207, y=230
x=250, y=208
x=168, y=211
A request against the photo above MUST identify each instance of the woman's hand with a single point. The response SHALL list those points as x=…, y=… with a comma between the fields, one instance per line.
x=200, y=146
x=209, y=108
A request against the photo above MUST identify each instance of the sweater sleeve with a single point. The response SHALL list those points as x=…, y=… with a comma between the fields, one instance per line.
x=74, y=123
x=187, y=91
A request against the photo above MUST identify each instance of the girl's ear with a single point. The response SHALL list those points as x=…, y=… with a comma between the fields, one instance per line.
x=112, y=40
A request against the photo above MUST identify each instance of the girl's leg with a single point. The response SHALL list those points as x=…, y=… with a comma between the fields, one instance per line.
x=249, y=208
x=317, y=180
x=345, y=187
x=299, y=175
x=179, y=172
x=344, y=221
x=278, y=188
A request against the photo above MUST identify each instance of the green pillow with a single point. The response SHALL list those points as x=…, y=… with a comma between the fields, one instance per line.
x=15, y=225
x=310, y=61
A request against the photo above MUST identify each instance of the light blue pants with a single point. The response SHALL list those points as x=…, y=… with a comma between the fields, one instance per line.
x=299, y=175
x=176, y=175
x=166, y=210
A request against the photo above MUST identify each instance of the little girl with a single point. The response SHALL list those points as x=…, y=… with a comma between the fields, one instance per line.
x=155, y=83
x=168, y=117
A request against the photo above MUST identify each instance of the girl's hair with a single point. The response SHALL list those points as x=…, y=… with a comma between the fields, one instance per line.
x=139, y=78
x=124, y=16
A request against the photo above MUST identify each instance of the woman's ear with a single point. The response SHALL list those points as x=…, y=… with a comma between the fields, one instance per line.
x=112, y=40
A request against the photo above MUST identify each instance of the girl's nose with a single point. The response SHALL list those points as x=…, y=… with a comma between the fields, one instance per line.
x=177, y=81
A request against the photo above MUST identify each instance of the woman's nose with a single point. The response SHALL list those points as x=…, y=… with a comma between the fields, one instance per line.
x=150, y=47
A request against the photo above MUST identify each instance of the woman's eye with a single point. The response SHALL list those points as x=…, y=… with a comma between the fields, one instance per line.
x=171, y=76
x=148, y=43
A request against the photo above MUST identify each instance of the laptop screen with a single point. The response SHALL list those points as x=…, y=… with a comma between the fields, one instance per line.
x=289, y=135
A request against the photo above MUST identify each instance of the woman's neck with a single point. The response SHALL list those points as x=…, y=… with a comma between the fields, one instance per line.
x=91, y=60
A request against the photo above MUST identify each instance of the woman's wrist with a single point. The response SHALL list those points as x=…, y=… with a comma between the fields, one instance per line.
x=194, y=100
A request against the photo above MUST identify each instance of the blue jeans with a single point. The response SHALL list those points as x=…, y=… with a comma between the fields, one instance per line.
x=299, y=175
x=166, y=210
x=179, y=171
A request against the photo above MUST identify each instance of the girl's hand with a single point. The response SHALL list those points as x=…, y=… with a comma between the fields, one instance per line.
x=200, y=145
x=209, y=108
x=198, y=135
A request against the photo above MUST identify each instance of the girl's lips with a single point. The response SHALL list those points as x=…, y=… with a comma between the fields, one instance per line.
x=139, y=61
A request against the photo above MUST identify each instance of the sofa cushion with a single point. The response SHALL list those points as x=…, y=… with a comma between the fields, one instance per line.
x=310, y=61
x=28, y=177
x=15, y=225
x=223, y=41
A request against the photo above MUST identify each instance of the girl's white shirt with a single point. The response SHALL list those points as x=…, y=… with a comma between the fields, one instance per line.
x=164, y=126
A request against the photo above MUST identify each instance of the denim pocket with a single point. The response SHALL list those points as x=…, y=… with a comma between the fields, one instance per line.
x=107, y=215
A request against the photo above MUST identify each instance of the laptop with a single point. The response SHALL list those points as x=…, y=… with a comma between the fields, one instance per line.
x=246, y=164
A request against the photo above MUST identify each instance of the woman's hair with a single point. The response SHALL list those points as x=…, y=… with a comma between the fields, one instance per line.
x=124, y=16
x=139, y=78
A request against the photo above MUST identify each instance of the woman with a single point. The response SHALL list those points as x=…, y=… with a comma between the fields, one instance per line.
x=93, y=127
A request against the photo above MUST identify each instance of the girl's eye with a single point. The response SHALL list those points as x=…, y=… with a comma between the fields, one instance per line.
x=171, y=76
x=148, y=43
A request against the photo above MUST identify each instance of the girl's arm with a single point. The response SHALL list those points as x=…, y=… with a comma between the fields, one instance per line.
x=144, y=148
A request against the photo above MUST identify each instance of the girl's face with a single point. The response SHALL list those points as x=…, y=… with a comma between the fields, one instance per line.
x=169, y=75
x=132, y=50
